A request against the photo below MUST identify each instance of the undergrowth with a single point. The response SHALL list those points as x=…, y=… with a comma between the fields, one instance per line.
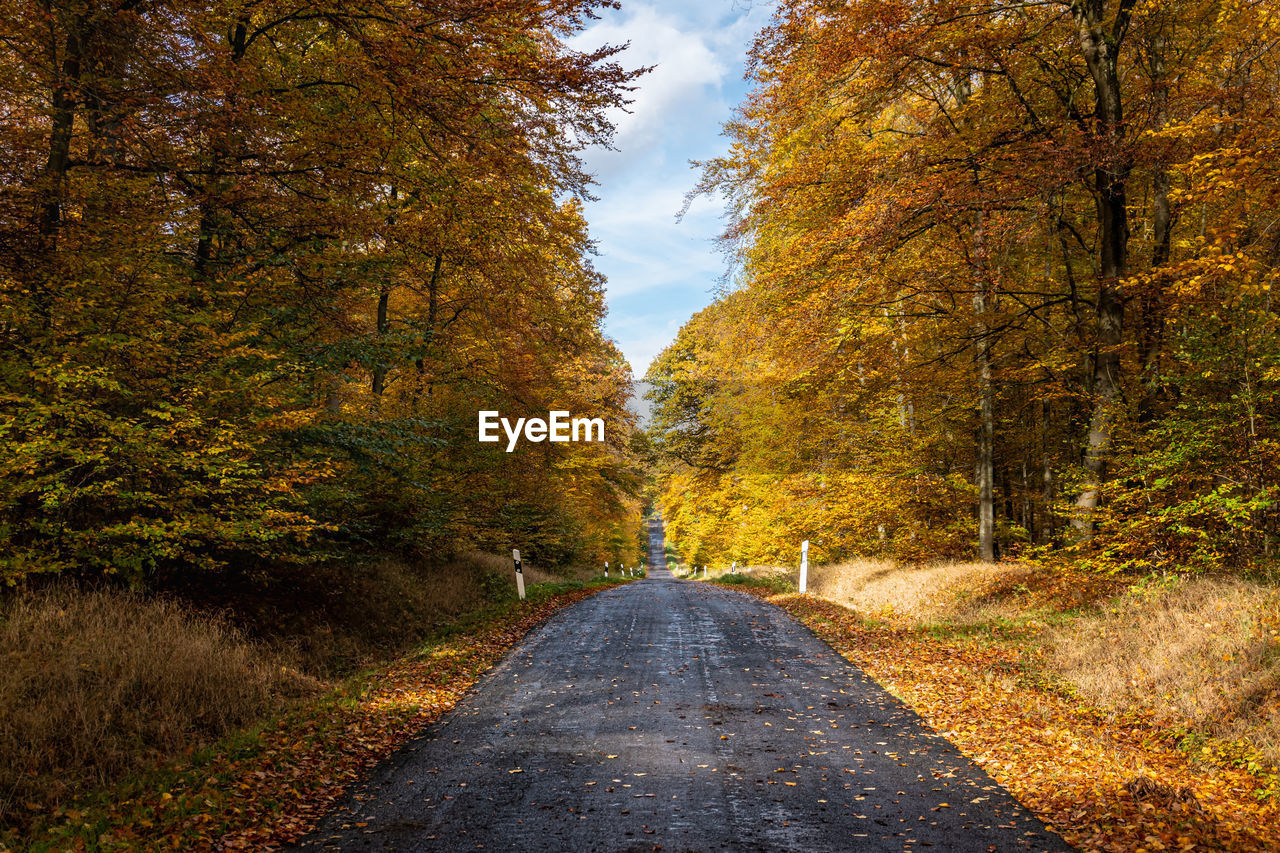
x=265, y=784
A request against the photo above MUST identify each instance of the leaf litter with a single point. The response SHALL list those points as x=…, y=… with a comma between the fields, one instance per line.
x=1105, y=781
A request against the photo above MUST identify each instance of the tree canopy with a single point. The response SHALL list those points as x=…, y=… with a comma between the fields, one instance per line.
x=261, y=263
x=1001, y=280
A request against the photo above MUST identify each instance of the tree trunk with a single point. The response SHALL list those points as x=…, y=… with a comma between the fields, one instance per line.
x=986, y=440
x=1100, y=46
x=380, y=367
x=1046, y=499
x=984, y=470
x=901, y=354
x=433, y=310
x=63, y=103
x=1152, y=320
x=213, y=216
x=1026, y=513
x=383, y=323
x=1047, y=519
x=52, y=186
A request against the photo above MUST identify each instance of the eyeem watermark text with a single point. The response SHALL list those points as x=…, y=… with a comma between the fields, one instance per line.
x=558, y=426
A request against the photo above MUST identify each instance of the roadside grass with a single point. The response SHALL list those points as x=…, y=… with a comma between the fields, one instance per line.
x=1128, y=719
x=129, y=723
x=774, y=581
x=886, y=588
x=1199, y=653
x=98, y=684
x=1203, y=654
x=333, y=619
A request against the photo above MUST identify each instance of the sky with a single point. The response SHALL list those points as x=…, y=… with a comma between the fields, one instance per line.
x=660, y=272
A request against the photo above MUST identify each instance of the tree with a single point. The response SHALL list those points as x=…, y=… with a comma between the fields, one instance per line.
x=230, y=234
x=932, y=213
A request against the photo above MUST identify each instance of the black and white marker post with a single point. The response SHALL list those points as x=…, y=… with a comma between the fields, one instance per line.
x=515, y=555
x=804, y=566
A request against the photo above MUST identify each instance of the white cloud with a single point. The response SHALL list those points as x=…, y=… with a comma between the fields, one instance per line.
x=660, y=272
x=643, y=247
x=687, y=72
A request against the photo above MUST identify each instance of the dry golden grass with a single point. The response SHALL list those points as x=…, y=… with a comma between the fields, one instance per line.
x=501, y=568
x=1205, y=652
x=447, y=591
x=95, y=684
x=348, y=617
x=757, y=572
x=1202, y=653
x=882, y=587
x=379, y=609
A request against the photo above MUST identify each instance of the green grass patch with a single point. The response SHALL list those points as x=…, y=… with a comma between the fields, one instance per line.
x=773, y=583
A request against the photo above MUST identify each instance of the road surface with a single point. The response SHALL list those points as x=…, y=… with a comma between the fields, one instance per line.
x=679, y=716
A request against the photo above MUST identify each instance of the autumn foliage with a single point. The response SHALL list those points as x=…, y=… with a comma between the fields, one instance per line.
x=260, y=264
x=1001, y=280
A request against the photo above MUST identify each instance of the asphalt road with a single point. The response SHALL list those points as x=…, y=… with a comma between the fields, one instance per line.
x=679, y=716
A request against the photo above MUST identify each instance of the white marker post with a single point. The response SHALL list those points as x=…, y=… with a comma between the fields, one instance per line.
x=733, y=570
x=606, y=568
x=515, y=555
x=804, y=566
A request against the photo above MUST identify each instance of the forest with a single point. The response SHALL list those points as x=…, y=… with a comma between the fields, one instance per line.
x=1001, y=284
x=262, y=263
x=282, y=282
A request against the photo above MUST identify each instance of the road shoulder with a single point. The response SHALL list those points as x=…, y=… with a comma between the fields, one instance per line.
x=270, y=785
x=1104, y=781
